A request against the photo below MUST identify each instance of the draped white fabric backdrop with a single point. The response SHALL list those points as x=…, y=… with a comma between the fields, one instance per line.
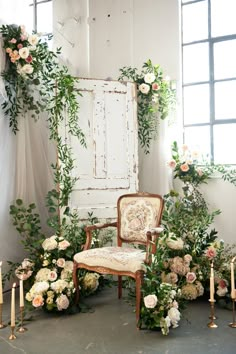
x=25, y=173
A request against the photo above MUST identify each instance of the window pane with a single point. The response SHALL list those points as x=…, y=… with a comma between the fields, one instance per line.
x=191, y=29
x=225, y=100
x=223, y=17
x=44, y=17
x=27, y=15
x=198, y=138
x=196, y=104
x=225, y=143
x=195, y=63
x=225, y=59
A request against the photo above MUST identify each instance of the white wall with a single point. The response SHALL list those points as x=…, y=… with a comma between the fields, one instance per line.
x=109, y=34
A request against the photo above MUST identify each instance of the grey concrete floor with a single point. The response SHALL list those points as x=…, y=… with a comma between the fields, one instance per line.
x=111, y=329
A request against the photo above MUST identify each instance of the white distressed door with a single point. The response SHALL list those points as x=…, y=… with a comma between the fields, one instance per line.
x=108, y=167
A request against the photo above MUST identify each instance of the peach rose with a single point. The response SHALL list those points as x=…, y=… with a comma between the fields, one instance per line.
x=38, y=301
x=184, y=167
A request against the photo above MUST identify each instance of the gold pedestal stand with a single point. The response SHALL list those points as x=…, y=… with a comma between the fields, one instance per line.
x=21, y=329
x=212, y=317
x=2, y=325
x=233, y=324
x=12, y=336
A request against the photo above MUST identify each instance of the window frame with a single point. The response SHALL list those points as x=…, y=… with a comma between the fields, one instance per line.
x=211, y=82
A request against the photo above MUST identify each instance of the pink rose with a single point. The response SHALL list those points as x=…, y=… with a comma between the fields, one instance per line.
x=172, y=164
x=52, y=276
x=13, y=40
x=61, y=262
x=190, y=277
x=199, y=172
x=38, y=301
x=20, y=45
x=211, y=252
x=184, y=167
x=222, y=283
x=155, y=86
x=29, y=59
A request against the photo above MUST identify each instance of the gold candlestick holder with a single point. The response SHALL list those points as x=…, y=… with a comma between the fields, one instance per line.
x=212, y=324
x=21, y=329
x=12, y=336
x=2, y=325
x=233, y=324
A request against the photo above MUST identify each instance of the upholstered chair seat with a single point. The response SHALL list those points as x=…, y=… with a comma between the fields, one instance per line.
x=119, y=259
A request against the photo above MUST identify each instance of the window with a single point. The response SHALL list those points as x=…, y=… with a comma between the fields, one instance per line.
x=209, y=77
x=38, y=16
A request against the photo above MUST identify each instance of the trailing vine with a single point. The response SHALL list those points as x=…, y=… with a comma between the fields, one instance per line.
x=155, y=98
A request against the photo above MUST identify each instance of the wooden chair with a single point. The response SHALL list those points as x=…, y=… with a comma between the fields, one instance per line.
x=138, y=223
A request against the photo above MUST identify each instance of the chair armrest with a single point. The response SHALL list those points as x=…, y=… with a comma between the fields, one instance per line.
x=90, y=228
x=152, y=234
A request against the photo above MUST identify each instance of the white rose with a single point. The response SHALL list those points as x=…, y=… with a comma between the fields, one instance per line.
x=62, y=302
x=50, y=243
x=24, y=52
x=27, y=69
x=174, y=315
x=59, y=285
x=150, y=301
x=174, y=243
x=149, y=78
x=144, y=88
x=42, y=274
x=39, y=288
x=33, y=39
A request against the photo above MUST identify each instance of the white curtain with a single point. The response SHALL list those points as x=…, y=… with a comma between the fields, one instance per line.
x=25, y=172
x=154, y=174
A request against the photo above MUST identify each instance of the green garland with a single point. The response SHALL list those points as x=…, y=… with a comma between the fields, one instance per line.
x=156, y=98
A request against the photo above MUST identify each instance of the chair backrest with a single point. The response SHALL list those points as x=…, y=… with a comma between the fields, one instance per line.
x=138, y=212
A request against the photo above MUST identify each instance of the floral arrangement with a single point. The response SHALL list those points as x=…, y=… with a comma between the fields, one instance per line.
x=185, y=249
x=160, y=304
x=52, y=288
x=186, y=165
x=156, y=97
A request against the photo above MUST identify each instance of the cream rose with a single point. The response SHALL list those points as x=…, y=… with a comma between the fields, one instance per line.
x=24, y=52
x=144, y=88
x=27, y=69
x=62, y=302
x=33, y=39
x=63, y=245
x=50, y=243
x=150, y=301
